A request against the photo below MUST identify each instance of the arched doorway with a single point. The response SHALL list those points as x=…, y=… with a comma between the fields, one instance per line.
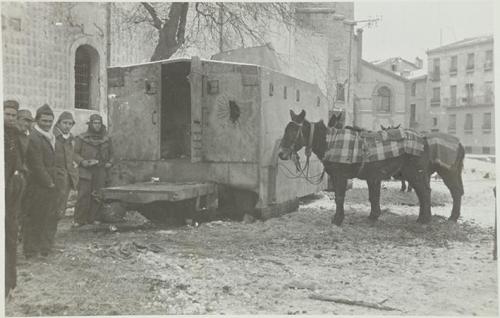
x=86, y=78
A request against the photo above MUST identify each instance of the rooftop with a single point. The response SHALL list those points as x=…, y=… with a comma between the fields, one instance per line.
x=462, y=43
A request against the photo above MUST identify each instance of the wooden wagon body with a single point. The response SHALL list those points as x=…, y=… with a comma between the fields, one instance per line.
x=192, y=120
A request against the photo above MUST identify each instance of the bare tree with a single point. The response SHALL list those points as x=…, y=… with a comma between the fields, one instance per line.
x=184, y=24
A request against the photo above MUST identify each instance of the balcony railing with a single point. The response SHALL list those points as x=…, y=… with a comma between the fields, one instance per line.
x=435, y=101
x=468, y=101
x=453, y=71
x=435, y=75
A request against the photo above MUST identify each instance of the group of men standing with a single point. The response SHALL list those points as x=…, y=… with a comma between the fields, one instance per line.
x=42, y=163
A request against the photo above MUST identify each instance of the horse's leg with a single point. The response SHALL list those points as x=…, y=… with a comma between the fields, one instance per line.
x=340, y=189
x=419, y=180
x=374, y=196
x=453, y=181
x=403, y=184
x=409, y=187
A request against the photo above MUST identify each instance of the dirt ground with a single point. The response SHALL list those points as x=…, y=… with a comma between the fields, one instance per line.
x=278, y=266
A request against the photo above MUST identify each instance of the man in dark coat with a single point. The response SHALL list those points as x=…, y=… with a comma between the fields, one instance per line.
x=65, y=164
x=25, y=122
x=13, y=184
x=94, y=148
x=41, y=191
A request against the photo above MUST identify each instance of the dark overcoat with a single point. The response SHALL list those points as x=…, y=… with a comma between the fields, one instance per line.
x=87, y=149
x=41, y=206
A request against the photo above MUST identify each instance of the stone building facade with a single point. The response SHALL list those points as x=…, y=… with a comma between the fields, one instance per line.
x=43, y=45
x=460, y=92
x=380, y=98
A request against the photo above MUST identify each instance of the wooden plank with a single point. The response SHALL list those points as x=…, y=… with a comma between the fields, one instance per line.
x=146, y=192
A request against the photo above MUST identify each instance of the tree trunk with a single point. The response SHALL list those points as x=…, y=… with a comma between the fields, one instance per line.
x=171, y=34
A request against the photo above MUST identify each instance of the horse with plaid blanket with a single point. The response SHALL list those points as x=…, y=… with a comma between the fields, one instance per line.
x=415, y=164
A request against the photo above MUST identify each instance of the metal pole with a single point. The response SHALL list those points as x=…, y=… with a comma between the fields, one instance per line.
x=221, y=22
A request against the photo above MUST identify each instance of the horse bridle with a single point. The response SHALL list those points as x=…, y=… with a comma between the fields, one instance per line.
x=308, y=146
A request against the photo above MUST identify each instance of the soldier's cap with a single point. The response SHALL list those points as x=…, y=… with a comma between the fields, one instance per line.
x=94, y=117
x=11, y=104
x=65, y=115
x=24, y=114
x=44, y=110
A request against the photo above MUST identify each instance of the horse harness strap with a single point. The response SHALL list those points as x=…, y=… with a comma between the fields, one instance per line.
x=308, y=149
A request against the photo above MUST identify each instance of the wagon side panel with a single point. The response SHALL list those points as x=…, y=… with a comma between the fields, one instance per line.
x=134, y=99
x=280, y=93
x=230, y=106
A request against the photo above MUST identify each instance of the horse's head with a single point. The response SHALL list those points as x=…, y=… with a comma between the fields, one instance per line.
x=294, y=137
x=336, y=121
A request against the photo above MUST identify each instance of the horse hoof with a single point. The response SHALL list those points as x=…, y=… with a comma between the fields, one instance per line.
x=423, y=220
x=337, y=222
x=453, y=219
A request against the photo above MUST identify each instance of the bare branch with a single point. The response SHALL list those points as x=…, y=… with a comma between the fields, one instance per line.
x=157, y=23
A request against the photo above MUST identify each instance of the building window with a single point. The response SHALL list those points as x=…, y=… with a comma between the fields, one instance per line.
x=86, y=77
x=394, y=67
x=486, y=150
x=434, y=122
x=413, y=114
x=488, y=60
x=469, y=90
x=488, y=93
x=436, y=96
x=470, y=62
x=453, y=65
x=340, y=92
x=384, y=99
x=452, y=123
x=469, y=125
x=284, y=92
x=468, y=149
x=413, y=89
x=453, y=95
x=486, y=122
x=436, y=70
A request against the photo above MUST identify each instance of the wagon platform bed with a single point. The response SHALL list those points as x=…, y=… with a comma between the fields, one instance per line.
x=147, y=192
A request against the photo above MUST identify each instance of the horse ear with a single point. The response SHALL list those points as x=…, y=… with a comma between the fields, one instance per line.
x=292, y=115
x=333, y=120
x=301, y=116
x=382, y=127
x=397, y=127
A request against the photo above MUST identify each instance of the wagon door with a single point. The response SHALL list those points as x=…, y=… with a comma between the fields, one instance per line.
x=196, y=84
x=134, y=99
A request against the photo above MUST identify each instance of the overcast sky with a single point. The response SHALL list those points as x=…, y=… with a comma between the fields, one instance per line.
x=409, y=28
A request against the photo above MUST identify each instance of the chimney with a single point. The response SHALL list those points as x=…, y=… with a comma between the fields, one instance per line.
x=418, y=62
x=359, y=38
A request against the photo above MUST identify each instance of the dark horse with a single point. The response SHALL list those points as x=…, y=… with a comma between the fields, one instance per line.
x=398, y=175
x=416, y=170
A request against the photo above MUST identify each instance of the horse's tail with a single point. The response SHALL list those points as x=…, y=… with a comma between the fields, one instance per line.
x=460, y=166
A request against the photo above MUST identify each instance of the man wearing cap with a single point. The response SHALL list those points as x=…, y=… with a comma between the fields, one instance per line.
x=94, y=148
x=13, y=184
x=24, y=122
x=65, y=164
x=41, y=191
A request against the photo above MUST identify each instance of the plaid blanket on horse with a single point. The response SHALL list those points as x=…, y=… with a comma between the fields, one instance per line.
x=443, y=148
x=349, y=146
